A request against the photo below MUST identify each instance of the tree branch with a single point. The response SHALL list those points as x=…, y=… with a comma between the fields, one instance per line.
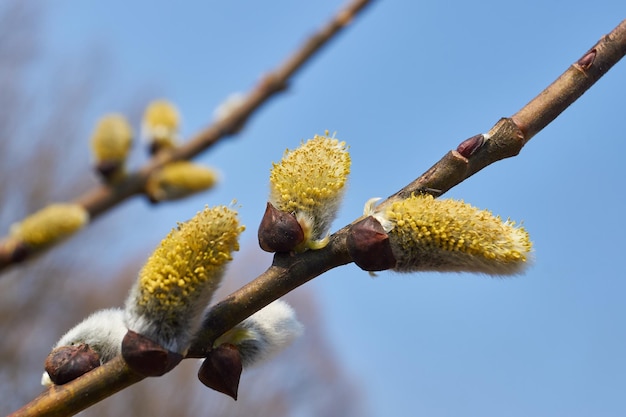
x=288, y=271
x=507, y=137
x=102, y=198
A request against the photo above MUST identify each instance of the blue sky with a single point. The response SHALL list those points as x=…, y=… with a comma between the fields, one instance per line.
x=406, y=83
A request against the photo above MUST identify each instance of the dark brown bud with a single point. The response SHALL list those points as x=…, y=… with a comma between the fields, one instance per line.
x=469, y=146
x=369, y=246
x=20, y=252
x=147, y=357
x=108, y=169
x=154, y=148
x=152, y=199
x=586, y=61
x=279, y=231
x=66, y=363
x=221, y=370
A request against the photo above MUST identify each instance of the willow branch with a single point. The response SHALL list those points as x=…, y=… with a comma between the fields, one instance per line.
x=509, y=135
x=289, y=271
x=102, y=198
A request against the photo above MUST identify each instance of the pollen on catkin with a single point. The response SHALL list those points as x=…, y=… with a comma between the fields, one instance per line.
x=309, y=182
x=428, y=234
x=161, y=122
x=263, y=334
x=50, y=224
x=180, y=277
x=178, y=180
x=111, y=141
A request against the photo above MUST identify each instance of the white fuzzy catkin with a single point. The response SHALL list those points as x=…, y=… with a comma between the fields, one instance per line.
x=264, y=334
x=103, y=331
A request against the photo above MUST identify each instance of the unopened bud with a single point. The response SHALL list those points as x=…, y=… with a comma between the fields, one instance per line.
x=369, y=247
x=221, y=370
x=98, y=337
x=146, y=357
x=469, y=146
x=67, y=363
x=264, y=334
x=279, y=231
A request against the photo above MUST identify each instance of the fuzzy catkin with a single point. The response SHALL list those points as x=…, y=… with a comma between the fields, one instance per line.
x=50, y=224
x=264, y=334
x=309, y=182
x=428, y=234
x=161, y=122
x=103, y=331
x=111, y=139
x=178, y=280
x=179, y=179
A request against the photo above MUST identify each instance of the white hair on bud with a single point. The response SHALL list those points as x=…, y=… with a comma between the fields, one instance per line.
x=370, y=206
x=103, y=331
x=265, y=333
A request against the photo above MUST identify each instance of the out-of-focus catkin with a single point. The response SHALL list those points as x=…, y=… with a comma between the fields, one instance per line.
x=50, y=224
x=161, y=123
x=111, y=141
x=178, y=180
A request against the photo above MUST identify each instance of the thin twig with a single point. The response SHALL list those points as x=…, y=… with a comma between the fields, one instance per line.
x=289, y=271
x=102, y=198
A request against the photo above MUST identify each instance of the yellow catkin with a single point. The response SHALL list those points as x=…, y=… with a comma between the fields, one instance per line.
x=50, y=224
x=179, y=278
x=309, y=182
x=180, y=179
x=111, y=139
x=450, y=235
x=161, y=122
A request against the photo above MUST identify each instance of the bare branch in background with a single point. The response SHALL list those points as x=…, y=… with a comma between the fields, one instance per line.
x=102, y=198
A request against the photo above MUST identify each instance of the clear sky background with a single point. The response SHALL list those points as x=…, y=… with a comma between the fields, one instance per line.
x=402, y=86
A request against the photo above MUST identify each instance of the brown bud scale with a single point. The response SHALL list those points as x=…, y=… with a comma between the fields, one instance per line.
x=587, y=60
x=146, y=357
x=279, y=231
x=369, y=246
x=221, y=370
x=66, y=363
x=469, y=146
x=21, y=252
x=108, y=169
